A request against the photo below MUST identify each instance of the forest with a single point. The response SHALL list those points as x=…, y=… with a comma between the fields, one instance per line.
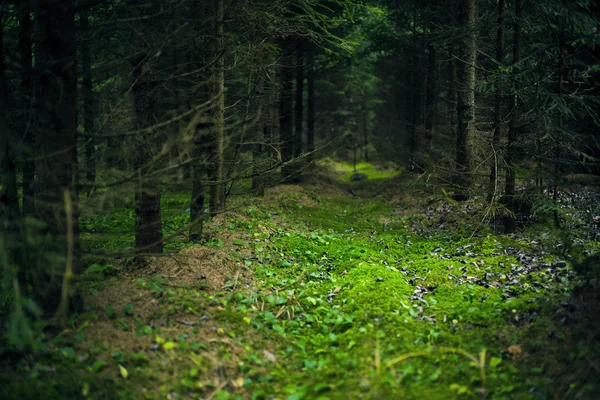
x=299, y=199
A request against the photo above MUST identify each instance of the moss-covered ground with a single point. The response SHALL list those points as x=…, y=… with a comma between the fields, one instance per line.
x=327, y=291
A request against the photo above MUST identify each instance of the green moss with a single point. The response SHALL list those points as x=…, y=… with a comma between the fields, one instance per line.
x=372, y=172
x=373, y=271
x=346, y=286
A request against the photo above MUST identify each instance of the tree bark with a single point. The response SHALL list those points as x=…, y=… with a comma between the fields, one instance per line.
x=560, y=123
x=25, y=51
x=9, y=196
x=148, y=221
x=513, y=129
x=197, y=204
x=56, y=160
x=200, y=142
x=258, y=157
x=88, y=98
x=497, y=122
x=310, y=126
x=417, y=95
x=421, y=134
x=466, y=100
x=431, y=100
x=413, y=143
x=262, y=133
x=217, y=198
x=148, y=218
x=452, y=92
x=299, y=110
x=365, y=112
x=286, y=129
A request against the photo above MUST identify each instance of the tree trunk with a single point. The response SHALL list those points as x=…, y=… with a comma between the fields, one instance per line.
x=310, y=131
x=413, y=143
x=217, y=198
x=466, y=100
x=256, y=149
x=417, y=94
x=560, y=126
x=452, y=93
x=56, y=143
x=88, y=99
x=497, y=122
x=262, y=133
x=28, y=167
x=510, y=221
x=365, y=130
x=197, y=205
x=452, y=96
x=258, y=157
x=299, y=110
x=9, y=196
x=421, y=134
x=286, y=130
x=431, y=100
x=148, y=224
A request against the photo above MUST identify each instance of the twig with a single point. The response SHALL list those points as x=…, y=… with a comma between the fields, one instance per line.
x=290, y=284
x=221, y=386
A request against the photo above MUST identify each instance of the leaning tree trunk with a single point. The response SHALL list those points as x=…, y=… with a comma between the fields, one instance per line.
x=217, y=198
x=466, y=100
x=497, y=122
x=28, y=167
x=513, y=129
x=286, y=129
x=56, y=159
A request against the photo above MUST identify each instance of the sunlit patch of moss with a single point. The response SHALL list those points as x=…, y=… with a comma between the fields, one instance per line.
x=371, y=171
x=362, y=266
x=344, y=215
x=374, y=291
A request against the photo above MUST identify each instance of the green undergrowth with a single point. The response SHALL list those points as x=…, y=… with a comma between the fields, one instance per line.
x=347, y=300
x=351, y=310
x=112, y=230
x=372, y=171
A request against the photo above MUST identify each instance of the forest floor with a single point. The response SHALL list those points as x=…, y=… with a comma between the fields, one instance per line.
x=331, y=289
